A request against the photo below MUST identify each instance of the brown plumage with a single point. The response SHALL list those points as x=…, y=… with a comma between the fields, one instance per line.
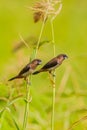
x=28, y=69
x=52, y=64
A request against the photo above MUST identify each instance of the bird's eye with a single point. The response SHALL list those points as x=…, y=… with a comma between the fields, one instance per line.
x=40, y=62
x=65, y=57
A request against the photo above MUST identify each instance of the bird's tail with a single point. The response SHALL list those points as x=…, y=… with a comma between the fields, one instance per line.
x=13, y=78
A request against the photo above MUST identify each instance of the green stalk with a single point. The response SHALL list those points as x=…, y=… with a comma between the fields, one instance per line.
x=39, y=39
x=53, y=108
x=54, y=78
x=41, y=31
x=53, y=39
x=26, y=105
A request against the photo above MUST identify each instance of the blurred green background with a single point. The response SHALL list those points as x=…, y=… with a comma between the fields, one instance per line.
x=70, y=29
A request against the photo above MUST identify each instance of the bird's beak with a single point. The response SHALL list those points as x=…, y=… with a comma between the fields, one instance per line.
x=40, y=63
x=66, y=57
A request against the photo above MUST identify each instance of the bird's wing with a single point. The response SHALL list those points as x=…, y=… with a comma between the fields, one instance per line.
x=50, y=64
x=24, y=70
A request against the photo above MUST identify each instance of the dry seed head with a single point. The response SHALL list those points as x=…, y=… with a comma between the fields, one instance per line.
x=43, y=9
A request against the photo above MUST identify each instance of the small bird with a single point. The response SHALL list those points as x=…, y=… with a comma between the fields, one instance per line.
x=28, y=69
x=52, y=64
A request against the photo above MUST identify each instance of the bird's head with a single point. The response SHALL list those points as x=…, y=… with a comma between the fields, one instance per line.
x=61, y=57
x=37, y=61
x=64, y=56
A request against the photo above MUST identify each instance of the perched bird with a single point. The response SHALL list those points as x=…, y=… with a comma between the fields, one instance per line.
x=28, y=69
x=52, y=64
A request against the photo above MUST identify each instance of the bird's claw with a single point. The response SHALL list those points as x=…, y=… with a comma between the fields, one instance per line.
x=28, y=82
x=29, y=100
x=53, y=75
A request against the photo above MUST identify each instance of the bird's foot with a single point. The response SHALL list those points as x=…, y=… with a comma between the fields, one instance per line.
x=29, y=100
x=27, y=81
x=52, y=81
x=53, y=75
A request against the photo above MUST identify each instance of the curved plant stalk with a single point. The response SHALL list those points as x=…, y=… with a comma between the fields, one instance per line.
x=3, y=110
x=41, y=31
x=12, y=117
x=10, y=103
x=39, y=39
x=14, y=120
x=34, y=54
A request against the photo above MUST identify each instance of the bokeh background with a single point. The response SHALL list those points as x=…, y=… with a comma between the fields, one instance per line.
x=70, y=29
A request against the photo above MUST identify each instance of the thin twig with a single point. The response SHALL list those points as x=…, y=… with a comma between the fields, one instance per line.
x=25, y=43
x=75, y=123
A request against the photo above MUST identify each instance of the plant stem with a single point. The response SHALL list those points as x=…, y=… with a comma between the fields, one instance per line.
x=26, y=105
x=53, y=109
x=53, y=39
x=41, y=31
x=39, y=39
x=54, y=78
x=27, y=85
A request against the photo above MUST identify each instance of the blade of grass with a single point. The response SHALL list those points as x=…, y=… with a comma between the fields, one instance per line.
x=13, y=119
x=76, y=123
x=64, y=81
x=9, y=104
x=25, y=43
